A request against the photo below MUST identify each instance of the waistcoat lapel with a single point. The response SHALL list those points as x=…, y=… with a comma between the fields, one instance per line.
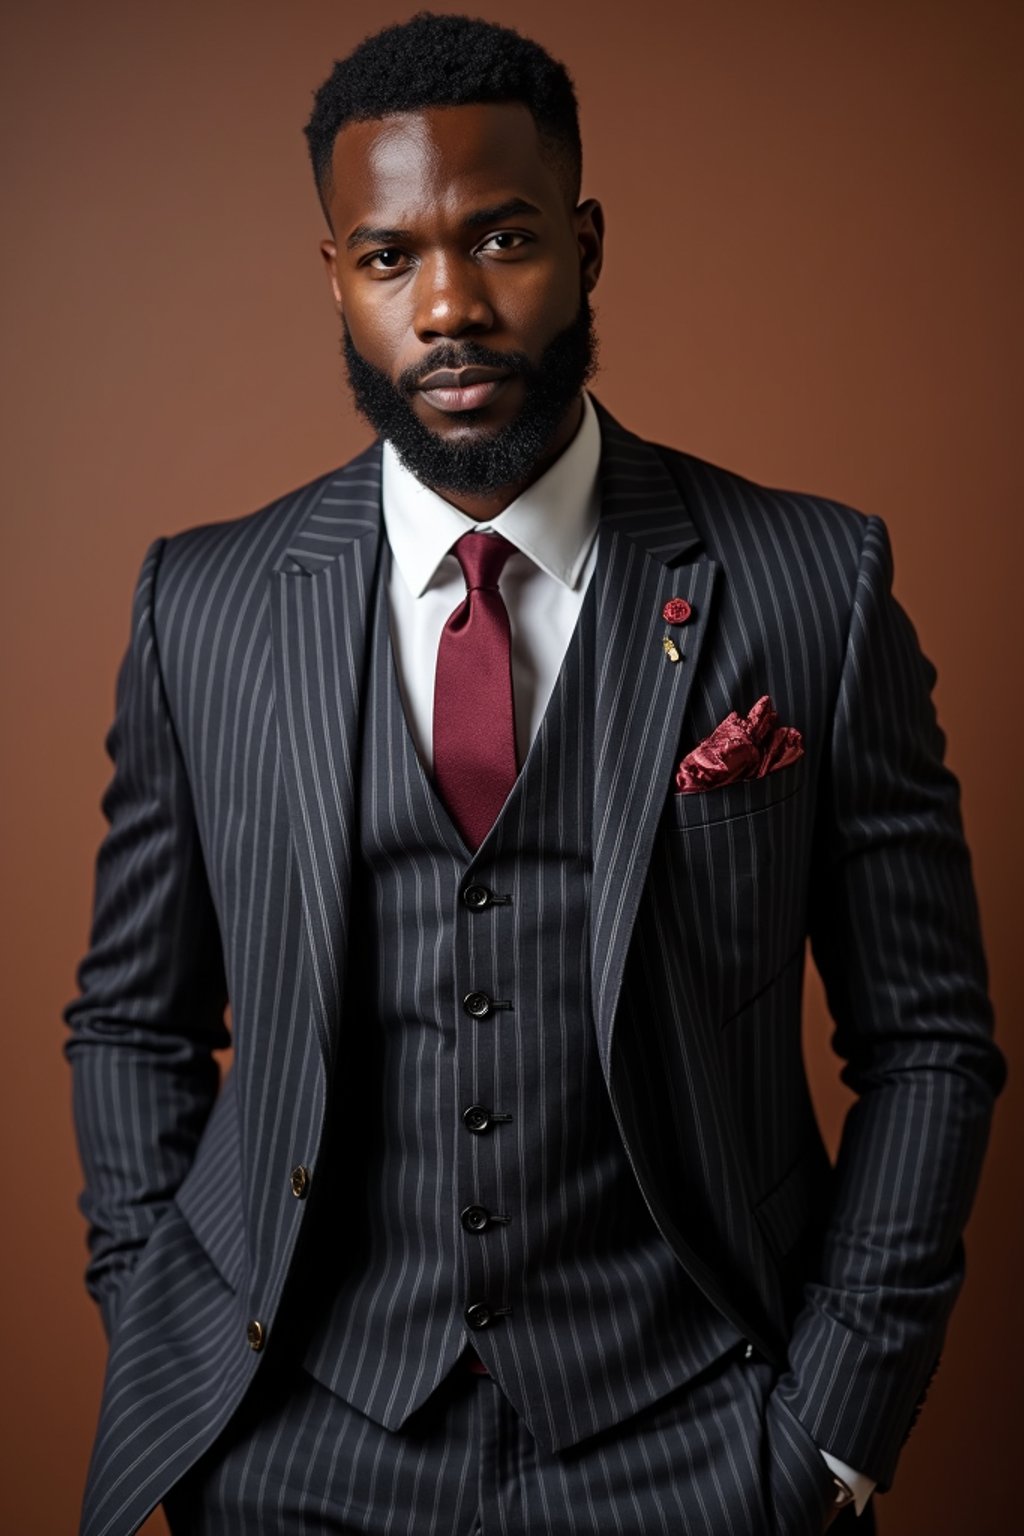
x=319, y=613
x=641, y=694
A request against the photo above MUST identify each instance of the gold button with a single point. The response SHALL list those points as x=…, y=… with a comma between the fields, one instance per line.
x=255, y=1335
x=300, y=1182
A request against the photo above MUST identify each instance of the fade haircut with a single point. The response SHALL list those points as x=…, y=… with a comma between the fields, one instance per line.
x=435, y=60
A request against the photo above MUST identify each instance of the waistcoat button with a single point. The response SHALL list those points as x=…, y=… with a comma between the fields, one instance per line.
x=300, y=1182
x=477, y=1004
x=478, y=1315
x=476, y=897
x=475, y=1218
x=476, y=1118
x=255, y=1335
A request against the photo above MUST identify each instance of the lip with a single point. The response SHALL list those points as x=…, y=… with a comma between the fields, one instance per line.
x=467, y=397
x=459, y=378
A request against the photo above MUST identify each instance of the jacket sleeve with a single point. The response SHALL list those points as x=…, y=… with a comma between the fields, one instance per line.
x=896, y=938
x=151, y=990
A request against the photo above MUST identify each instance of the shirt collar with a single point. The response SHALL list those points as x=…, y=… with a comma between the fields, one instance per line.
x=553, y=521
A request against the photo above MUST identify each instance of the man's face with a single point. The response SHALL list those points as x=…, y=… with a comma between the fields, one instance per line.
x=455, y=248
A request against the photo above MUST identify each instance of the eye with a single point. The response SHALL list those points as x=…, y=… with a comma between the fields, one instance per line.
x=506, y=234
x=388, y=251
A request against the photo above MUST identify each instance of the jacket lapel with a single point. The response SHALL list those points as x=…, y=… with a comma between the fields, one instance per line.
x=641, y=695
x=649, y=552
x=320, y=588
x=319, y=592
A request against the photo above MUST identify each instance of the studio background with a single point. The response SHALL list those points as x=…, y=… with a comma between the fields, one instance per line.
x=812, y=275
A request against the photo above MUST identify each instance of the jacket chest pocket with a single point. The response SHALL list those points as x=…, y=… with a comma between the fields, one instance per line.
x=747, y=797
x=734, y=859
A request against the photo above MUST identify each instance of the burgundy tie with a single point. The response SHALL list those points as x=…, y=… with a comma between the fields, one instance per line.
x=474, y=721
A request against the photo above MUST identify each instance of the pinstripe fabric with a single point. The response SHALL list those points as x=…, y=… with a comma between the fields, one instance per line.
x=603, y=1318
x=692, y=1464
x=226, y=872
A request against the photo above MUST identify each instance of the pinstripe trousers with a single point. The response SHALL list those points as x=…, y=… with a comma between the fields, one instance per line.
x=718, y=1456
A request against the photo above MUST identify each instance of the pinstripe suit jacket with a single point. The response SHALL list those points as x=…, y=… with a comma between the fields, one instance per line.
x=225, y=875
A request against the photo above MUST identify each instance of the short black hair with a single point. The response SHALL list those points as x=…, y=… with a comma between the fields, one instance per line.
x=435, y=60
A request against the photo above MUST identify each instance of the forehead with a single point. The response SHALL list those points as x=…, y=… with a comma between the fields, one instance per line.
x=393, y=168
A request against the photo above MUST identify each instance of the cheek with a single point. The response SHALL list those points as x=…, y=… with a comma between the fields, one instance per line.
x=538, y=304
x=377, y=328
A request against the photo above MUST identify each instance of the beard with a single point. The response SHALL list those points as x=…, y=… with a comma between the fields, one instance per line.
x=503, y=457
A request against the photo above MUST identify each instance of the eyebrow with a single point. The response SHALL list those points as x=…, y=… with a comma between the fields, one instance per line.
x=367, y=234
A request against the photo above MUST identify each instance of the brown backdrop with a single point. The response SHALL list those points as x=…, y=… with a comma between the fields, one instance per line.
x=813, y=275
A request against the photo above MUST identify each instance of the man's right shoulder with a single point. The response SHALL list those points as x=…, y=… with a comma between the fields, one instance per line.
x=256, y=542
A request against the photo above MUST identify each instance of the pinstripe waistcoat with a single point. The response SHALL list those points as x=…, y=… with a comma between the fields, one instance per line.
x=226, y=874
x=535, y=1214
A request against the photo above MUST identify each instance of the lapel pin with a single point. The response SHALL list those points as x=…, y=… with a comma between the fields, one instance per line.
x=676, y=611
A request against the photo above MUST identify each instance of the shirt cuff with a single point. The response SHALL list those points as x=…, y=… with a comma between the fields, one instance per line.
x=860, y=1486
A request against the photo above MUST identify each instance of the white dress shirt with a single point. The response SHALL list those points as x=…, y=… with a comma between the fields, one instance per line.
x=553, y=525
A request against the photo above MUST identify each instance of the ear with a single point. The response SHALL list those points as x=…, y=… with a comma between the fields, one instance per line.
x=589, y=217
x=329, y=252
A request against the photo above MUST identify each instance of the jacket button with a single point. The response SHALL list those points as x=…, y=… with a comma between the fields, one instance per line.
x=475, y=1218
x=476, y=897
x=255, y=1335
x=300, y=1181
x=477, y=1004
x=476, y=1118
x=478, y=1315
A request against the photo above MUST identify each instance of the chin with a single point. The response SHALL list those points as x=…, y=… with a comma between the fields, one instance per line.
x=463, y=423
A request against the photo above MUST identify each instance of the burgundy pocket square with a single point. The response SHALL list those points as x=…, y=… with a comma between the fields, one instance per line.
x=740, y=747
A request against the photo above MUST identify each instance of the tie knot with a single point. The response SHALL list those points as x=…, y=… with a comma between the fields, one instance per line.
x=482, y=557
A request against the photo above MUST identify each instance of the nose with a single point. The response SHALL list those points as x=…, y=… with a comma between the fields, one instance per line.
x=451, y=299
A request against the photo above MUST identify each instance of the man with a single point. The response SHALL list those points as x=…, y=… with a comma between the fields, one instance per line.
x=498, y=779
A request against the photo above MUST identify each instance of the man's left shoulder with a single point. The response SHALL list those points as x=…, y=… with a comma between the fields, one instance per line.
x=734, y=512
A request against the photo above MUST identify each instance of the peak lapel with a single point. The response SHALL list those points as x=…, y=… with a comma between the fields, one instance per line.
x=319, y=596
x=641, y=695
